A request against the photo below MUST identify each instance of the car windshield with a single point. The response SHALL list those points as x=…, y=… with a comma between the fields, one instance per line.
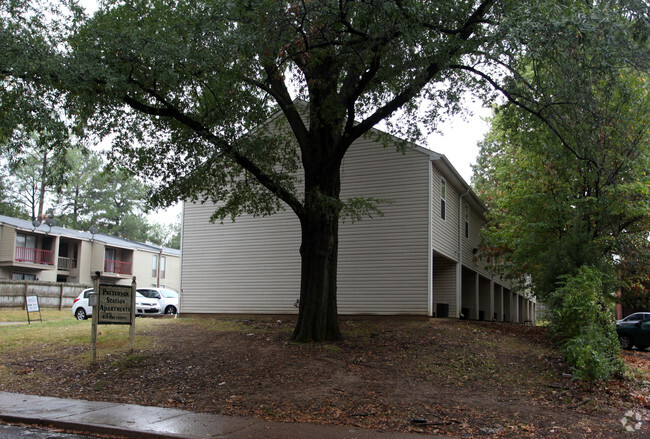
x=634, y=317
x=170, y=294
x=149, y=293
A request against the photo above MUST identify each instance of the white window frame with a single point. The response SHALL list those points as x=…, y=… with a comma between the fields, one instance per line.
x=154, y=266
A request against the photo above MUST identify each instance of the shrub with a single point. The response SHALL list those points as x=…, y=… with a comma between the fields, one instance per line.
x=582, y=318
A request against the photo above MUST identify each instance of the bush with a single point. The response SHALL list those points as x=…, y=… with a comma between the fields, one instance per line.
x=582, y=317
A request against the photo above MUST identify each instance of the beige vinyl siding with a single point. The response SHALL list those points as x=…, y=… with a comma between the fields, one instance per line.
x=474, y=240
x=172, y=272
x=7, y=244
x=142, y=268
x=444, y=232
x=143, y=265
x=383, y=261
x=47, y=275
x=253, y=264
x=85, y=262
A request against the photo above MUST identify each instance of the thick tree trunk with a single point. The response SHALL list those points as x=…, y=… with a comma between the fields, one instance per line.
x=41, y=189
x=318, y=316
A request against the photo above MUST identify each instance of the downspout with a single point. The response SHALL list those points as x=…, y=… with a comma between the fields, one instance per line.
x=158, y=267
x=459, y=270
x=430, y=244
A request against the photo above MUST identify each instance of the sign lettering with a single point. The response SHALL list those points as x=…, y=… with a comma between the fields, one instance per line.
x=114, y=304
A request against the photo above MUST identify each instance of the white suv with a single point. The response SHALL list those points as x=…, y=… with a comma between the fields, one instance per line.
x=168, y=299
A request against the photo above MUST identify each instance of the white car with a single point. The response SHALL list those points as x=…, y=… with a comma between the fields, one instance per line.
x=143, y=305
x=168, y=299
x=80, y=308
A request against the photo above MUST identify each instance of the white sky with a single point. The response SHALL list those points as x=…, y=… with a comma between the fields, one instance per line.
x=458, y=140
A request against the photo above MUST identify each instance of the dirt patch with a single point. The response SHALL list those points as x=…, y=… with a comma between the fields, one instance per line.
x=440, y=376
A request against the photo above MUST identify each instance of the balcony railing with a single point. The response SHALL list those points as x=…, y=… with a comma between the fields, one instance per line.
x=118, y=267
x=66, y=263
x=34, y=256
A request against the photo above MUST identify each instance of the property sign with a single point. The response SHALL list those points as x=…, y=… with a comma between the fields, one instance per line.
x=32, y=303
x=115, y=304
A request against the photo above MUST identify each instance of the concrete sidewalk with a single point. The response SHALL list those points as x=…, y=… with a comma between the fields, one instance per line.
x=135, y=421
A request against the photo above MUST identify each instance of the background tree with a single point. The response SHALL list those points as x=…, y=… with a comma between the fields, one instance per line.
x=37, y=170
x=166, y=235
x=568, y=202
x=553, y=207
x=118, y=202
x=7, y=206
x=75, y=203
x=182, y=85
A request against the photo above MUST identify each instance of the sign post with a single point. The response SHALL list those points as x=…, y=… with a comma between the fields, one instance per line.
x=132, y=328
x=113, y=305
x=92, y=301
x=31, y=303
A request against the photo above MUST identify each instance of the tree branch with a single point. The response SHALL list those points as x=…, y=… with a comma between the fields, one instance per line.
x=266, y=180
x=511, y=98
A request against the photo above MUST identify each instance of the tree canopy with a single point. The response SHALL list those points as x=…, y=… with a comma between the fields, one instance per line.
x=554, y=208
x=185, y=86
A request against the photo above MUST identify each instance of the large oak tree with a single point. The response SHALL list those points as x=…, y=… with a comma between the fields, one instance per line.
x=185, y=85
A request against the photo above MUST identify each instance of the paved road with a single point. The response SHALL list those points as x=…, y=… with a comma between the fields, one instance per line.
x=16, y=432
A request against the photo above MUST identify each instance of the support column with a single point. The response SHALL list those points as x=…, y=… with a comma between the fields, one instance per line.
x=477, y=300
x=490, y=316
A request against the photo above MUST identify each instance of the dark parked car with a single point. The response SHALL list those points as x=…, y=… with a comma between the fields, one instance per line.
x=635, y=334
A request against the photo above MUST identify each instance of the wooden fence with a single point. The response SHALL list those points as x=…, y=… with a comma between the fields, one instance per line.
x=50, y=294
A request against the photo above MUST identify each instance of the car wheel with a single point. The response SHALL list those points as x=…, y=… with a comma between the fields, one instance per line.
x=80, y=313
x=625, y=341
x=170, y=310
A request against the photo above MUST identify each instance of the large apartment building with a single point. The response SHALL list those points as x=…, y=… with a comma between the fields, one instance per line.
x=35, y=251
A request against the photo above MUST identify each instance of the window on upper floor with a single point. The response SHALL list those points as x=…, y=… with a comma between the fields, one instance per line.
x=443, y=199
x=25, y=241
x=162, y=266
x=154, y=266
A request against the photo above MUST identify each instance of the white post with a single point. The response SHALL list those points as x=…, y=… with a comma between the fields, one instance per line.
x=95, y=318
x=132, y=327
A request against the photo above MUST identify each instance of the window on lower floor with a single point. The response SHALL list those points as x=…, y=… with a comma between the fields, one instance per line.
x=23, y=276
